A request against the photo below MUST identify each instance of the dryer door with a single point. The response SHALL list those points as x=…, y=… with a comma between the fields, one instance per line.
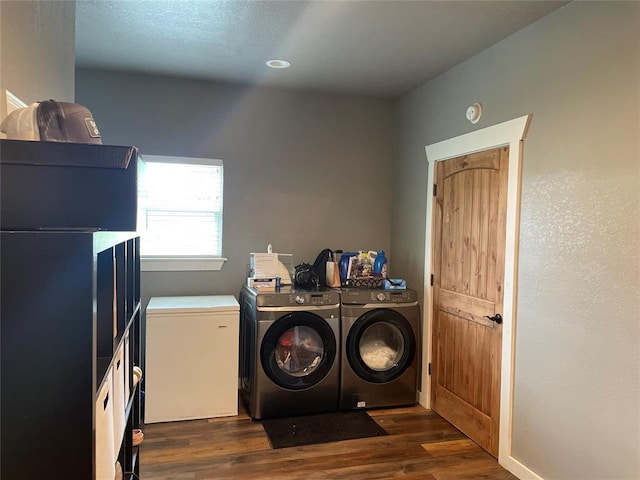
x=381, y=345
x=298, y=350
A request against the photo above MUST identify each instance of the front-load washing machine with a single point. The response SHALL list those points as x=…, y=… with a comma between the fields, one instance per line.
x=289, y=360
x=380, y=348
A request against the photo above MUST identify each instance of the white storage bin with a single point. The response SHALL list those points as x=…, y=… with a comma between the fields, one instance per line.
x=104, y=444
x=127, y=370
x=119, y=402
x=191, y=358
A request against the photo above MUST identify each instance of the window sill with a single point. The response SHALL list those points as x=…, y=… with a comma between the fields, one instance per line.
x=181, y=264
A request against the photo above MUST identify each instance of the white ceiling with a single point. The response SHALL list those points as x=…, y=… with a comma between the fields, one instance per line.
x=383, y=48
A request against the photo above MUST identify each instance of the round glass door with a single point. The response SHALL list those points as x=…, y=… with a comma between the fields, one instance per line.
x=298, y=350
x=381, y=345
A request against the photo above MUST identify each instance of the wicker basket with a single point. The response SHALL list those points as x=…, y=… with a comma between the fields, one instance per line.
x=364, y=282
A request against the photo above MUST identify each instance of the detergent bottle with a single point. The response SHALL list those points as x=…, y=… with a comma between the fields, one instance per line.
x=380, y=264
x=343, y=265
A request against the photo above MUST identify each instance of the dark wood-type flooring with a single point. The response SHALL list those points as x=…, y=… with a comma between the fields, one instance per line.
x=420, y=445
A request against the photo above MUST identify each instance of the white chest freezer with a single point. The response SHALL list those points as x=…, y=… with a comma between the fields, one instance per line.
x=191, y=358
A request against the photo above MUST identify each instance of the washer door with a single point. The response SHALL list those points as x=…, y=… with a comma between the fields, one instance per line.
x=381, y=345
x=298, y=350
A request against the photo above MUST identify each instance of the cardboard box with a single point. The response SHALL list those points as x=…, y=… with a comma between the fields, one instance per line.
x=263, y=283
x=264, y=265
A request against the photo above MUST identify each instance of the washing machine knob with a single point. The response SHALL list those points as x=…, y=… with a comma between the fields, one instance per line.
x=299, y=299
x=380, y=296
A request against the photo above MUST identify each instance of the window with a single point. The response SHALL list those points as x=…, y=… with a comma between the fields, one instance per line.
x=180, y=208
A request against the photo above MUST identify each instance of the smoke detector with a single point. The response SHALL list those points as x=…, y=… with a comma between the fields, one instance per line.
x=474, y=112
x=278, y=64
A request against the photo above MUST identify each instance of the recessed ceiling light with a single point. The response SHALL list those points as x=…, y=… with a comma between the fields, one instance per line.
x=278, y=64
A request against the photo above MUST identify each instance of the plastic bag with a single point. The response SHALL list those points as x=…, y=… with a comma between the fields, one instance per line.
x=332, y=272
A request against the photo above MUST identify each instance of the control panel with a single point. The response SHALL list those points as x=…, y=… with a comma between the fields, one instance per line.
x=313, y=298
x=363, y=296
x=292, y=298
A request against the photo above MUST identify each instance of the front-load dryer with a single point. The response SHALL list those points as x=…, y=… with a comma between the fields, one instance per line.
x=380, y=348
x=290, y=360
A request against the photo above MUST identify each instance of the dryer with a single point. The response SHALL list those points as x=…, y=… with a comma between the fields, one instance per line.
x=380, y=348
x=290, y=359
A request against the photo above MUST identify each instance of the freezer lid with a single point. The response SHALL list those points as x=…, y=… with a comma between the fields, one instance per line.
x=193, y=304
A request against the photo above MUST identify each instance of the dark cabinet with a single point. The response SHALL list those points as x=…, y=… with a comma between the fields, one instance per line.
x=69, y=319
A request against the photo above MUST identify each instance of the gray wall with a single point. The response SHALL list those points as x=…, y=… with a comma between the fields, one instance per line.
x=577, y=363
x=37, y=49
x=303, y=171
x=577, y=402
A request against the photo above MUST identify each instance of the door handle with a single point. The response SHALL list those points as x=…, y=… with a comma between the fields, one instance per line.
x=496, y=318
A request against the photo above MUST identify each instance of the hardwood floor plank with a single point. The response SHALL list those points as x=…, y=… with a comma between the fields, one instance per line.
x=451, y=447
x=420, y=445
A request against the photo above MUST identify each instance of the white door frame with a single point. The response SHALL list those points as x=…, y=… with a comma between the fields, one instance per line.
x=511, y=133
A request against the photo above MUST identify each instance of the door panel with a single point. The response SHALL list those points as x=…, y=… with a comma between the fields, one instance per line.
x=468, y=257
x=466, y=306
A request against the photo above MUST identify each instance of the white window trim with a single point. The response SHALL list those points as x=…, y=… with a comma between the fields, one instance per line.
x=181, y=264
x=150, y=263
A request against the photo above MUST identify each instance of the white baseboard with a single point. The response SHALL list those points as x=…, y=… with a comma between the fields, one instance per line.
x=519, y=470
x=424, y=400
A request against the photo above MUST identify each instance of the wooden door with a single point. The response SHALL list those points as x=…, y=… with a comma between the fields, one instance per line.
x=469, y=244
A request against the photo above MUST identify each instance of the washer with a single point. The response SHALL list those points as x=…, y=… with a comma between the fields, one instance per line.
x=289, y=359
x=380, y=348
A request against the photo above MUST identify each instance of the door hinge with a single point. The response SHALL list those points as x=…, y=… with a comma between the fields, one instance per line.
x=435, y=189
x=432, y=279
x=429, y=369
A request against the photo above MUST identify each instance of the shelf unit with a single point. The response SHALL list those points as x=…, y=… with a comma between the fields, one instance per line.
x=69, y=312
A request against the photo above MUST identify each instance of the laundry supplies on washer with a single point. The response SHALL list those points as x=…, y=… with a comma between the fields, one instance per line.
x=380, y=264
